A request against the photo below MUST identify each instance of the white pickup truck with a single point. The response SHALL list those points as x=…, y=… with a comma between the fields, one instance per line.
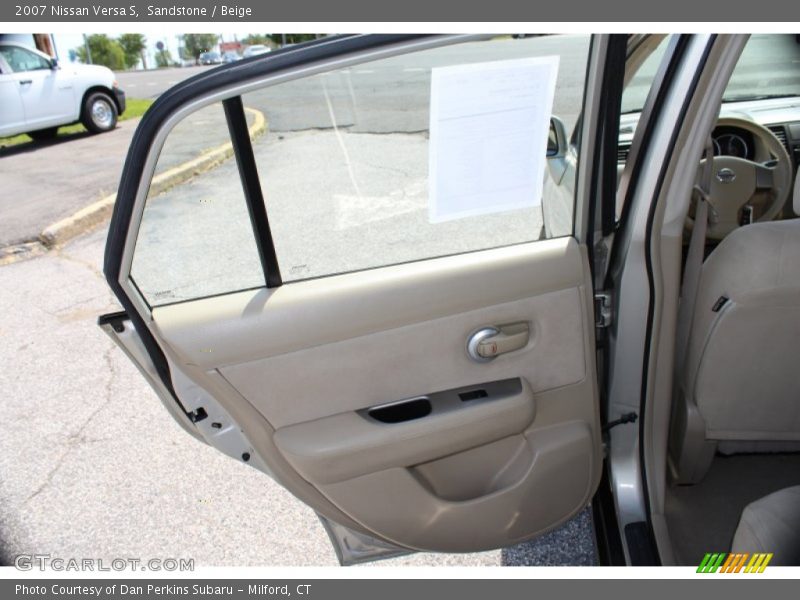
x=38, y=95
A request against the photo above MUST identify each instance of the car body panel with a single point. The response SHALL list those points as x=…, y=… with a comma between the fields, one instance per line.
x=49, y=98
x=10, y=99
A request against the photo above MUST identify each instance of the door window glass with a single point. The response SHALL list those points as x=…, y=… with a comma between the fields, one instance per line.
x=344, y=160
x=21, y=60
x=195, y=239
x=351, y=160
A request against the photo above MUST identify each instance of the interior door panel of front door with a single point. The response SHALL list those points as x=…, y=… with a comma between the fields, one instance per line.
x=367, y=388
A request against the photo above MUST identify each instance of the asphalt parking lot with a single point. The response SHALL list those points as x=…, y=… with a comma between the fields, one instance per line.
x=70, y=173
x=46, y=182
x=105, y=471
x=153, y=83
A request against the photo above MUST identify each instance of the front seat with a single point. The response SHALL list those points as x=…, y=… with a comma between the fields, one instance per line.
x=740, y=389
x=771, y=525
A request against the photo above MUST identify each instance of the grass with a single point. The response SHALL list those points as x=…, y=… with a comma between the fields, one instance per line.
x=135, y=108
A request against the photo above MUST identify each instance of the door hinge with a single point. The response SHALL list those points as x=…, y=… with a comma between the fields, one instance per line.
x=603, y=309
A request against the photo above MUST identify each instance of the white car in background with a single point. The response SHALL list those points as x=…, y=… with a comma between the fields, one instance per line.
x=255, y=50
x=38, y=95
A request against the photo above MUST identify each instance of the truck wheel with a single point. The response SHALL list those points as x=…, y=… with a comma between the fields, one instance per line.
x=99, y=113
x=44, y=134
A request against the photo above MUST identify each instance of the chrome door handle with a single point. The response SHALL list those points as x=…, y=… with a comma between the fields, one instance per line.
x=487, y=343
x=25, y=81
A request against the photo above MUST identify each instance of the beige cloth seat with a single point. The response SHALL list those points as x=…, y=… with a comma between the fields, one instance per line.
x=772, y=524
x=740, y=388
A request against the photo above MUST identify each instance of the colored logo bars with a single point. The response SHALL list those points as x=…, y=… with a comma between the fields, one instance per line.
x=734, y=562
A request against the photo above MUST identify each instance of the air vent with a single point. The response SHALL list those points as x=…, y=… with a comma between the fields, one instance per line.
x=622, y=153
x=780, y=133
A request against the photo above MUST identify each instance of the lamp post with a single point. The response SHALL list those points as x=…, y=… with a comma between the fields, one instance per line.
x=88, y=51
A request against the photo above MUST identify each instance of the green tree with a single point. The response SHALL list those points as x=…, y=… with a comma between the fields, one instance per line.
x=277, y=38
x=104, y=51
x=132, y=45
x=163, y=58
x=292, y=38
x=255, y=38
x=197, y=43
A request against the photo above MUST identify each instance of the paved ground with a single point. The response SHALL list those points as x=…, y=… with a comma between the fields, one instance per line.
x=381, y=77
x=46, y=182
x=393, y=94
x=92, y=465
x=153, y=83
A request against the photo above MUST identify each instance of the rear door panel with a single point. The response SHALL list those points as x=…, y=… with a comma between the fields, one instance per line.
x=356, y=391
x=311, y=356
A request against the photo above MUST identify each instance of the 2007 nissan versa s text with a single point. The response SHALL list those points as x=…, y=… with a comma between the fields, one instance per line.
x=378, y=304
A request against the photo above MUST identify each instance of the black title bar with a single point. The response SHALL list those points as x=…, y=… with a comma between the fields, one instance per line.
x=531, y=11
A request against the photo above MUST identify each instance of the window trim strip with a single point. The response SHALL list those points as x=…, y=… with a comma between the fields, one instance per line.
x=248, y=171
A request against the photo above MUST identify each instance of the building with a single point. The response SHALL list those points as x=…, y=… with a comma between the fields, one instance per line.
x=40, y=41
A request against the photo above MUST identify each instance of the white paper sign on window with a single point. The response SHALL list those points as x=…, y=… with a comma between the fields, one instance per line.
x=488, y=136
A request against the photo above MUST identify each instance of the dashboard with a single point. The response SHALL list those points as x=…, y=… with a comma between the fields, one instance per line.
x=780, y=115
x=733, y=141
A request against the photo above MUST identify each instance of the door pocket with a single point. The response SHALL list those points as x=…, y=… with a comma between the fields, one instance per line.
x=408, y=432
x=443, y=402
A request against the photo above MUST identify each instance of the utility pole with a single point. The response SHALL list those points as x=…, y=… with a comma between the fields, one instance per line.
x=88, y=52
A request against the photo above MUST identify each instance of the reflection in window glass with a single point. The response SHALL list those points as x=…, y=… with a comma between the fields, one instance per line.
x=649, y=58
x=21, y=60
x=767, y=68
x=344, y=165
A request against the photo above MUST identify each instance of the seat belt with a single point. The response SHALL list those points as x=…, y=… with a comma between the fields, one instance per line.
x=694, y=261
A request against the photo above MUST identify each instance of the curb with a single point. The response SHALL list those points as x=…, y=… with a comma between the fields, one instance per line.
x=64, y=230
